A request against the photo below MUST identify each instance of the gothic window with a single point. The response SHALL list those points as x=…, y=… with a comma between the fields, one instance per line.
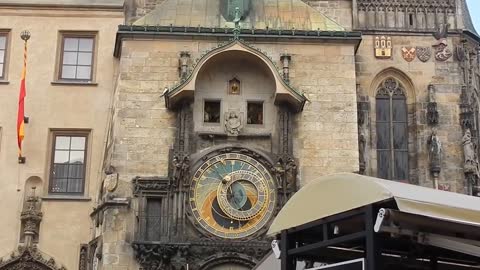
x=392, y=131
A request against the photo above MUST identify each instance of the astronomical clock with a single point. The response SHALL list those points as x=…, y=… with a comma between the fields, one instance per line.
x=232, y=196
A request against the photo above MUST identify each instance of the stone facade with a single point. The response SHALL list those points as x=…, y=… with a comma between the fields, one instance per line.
x=318, y=80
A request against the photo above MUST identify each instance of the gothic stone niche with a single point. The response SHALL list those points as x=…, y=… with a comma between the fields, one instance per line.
x=29, y=258
x=234, y=87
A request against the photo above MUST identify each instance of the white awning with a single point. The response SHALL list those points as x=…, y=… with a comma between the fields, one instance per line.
x=337, y=193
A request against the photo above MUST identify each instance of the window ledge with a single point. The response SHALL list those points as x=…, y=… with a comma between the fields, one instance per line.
x=4, y=82
x=74, y=83
x=65, y=198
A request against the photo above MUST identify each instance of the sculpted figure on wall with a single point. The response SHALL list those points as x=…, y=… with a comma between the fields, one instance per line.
x=471, y=161
x=435, y=153
x=233, y=123
x=442, y=53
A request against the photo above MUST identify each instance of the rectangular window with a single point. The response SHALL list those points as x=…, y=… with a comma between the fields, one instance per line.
x=76, y=61
x=3, y=54
x=67, y=173
x=255, y=113
x=211, y=112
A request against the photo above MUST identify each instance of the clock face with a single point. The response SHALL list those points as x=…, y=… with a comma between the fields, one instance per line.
x=232, y=195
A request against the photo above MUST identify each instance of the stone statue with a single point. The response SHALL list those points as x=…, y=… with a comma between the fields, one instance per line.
x=435, y=153
x=233, y=123
x=470, y=164
x=290, y=173
x=180, y=169
x=362, y=146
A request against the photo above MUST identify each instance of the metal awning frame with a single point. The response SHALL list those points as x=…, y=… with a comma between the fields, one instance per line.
x=307, y=241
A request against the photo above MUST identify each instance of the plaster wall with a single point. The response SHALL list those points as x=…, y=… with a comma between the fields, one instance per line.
x=66, y=223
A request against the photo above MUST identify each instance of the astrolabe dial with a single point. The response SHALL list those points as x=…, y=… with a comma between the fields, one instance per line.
x=232, y=195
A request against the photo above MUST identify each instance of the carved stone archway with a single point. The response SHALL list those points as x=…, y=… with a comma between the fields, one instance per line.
x=29, y=258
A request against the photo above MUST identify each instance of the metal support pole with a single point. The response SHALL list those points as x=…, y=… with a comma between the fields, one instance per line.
x=371, y=241
x=287, y=262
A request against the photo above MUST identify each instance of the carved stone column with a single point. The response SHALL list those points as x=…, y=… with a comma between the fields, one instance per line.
x=363, y=108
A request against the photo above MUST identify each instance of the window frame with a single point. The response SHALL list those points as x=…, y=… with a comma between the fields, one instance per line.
x=78, y=35
x=6, y=34
x=263, y=112
x=73, y=133
x=220, y=112
x=390, y=95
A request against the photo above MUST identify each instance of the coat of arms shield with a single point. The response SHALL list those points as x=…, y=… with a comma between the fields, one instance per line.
x=424, y=53
x=408, y=53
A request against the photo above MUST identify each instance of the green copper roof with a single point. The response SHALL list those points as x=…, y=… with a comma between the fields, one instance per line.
x=263, y=14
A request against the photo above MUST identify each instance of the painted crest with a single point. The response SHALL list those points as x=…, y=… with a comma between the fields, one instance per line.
x=424, y=53
x=383, y=47
x=409, y=53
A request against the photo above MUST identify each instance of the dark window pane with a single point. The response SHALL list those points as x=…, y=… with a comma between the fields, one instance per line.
x=399, y=110
x=3, y=42
x=211, y=112
x=383, y=136
x=59, y=185
x=401, y=165
x=383, y=110
x=75, y=186
x=255, y=113
x=60, y=170
x=85, y=45
x=154, y=208
x=70, y=44
x=400, y=139
x=383, y=164
x=85, y=59
x=69, y=72
x=75, y=171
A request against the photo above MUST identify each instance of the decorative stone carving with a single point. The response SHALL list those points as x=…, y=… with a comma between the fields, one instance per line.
x=383, y=47
x=150, y=185
x=442, y=53
x=285, y=58
x=233, y=123
x=181, y=165
x=466, y=110
x=424, y=53
x=234, y=87
x=29, y=257
x=31, y=217
x=110, y=183
x=228, y=9
x=83, y=260
x=409, y=53
x=184, y=57
x=363, y=111
x=432, y=112
x=435, y=153
x=470, y=165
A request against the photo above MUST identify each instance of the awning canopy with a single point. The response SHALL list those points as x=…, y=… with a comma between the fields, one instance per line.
x=337, y=193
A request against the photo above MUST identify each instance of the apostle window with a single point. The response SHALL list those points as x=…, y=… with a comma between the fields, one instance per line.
x=77, y=57
x=255, y=113
x=67, y=172
x=3, y=54
x=392, y=131
x=211, y=111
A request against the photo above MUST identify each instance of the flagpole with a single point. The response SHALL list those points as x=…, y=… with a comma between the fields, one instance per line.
x=21, y=119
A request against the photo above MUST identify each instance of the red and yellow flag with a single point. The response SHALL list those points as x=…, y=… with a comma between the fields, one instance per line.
x=21, y=104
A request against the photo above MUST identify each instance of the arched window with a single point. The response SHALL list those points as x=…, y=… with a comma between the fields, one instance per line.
x=392, y=131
